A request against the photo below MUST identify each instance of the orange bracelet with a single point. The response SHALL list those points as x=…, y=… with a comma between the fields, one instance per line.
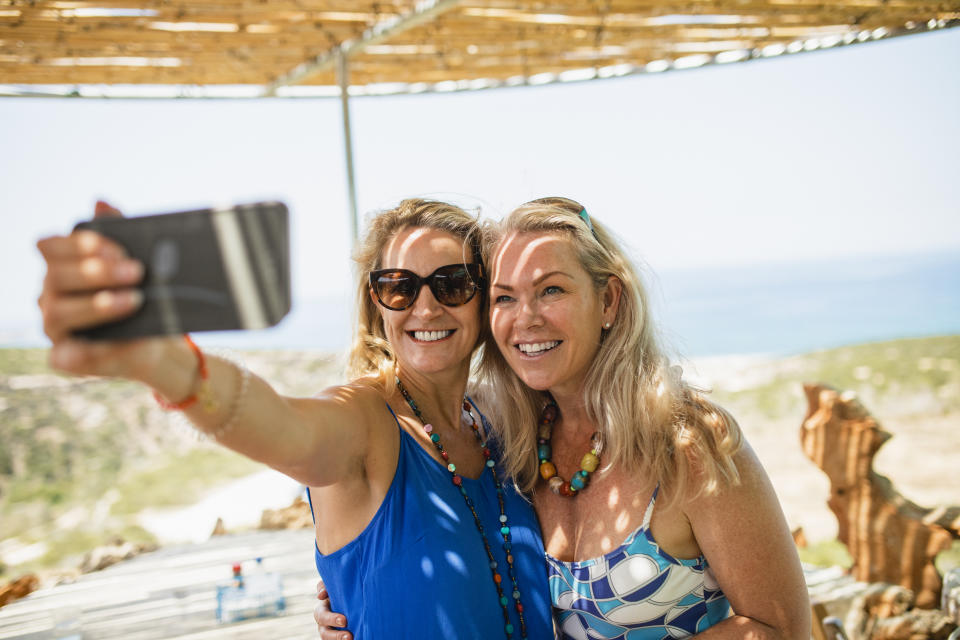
x=190, y=400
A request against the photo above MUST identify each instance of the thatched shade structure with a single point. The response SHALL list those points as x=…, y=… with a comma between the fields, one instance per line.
x=402, y=45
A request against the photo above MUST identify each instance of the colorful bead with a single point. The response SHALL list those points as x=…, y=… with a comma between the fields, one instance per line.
x=428, y=428
x=589, y=462
x=457, y=481
x=451, y=467
x=555, y=483
x=577, y=482
x=543, y=451
x=547, y=470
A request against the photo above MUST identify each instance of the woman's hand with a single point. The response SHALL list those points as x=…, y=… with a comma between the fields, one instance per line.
x=328, y=621
x=90, y=281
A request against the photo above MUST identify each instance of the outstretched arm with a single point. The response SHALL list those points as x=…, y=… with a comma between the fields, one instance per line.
x=90, y=281
x=744, y=536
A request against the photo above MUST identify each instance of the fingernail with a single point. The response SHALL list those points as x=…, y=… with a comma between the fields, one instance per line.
x=344, y=636
x=341, y=622
x=118, y=300
x=129, y=271
x=134, y=299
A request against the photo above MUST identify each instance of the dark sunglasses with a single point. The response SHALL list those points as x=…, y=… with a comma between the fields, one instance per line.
x=452, y=285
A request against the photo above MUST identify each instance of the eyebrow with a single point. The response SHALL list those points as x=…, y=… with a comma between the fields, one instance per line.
x=507, y=287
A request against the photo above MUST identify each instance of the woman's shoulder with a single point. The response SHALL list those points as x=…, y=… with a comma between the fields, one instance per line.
x=358, y=397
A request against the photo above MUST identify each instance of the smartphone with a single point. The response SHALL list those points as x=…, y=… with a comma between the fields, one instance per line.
x=214, y=269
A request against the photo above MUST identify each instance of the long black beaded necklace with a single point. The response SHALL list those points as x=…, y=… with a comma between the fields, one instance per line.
x=504, y=526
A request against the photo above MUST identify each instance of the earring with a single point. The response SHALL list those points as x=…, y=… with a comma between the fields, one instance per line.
x=606, y=325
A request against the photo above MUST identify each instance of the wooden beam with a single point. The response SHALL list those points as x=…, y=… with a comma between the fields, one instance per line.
x=423, y=13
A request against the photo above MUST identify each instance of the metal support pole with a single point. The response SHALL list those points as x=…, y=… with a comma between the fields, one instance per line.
x=343, y=75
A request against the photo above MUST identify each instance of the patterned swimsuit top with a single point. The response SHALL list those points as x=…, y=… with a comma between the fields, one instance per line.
x=635, y=592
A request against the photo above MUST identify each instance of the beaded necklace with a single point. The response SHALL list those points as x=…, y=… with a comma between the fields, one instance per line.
x=504, y=526
x=548, y=470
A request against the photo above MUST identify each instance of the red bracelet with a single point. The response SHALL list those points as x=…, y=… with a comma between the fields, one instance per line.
x=190, y=400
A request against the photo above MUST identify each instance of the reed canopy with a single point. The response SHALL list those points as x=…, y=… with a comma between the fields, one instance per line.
x=304, y=47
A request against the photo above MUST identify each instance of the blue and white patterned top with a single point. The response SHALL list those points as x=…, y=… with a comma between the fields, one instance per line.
x=635, y=592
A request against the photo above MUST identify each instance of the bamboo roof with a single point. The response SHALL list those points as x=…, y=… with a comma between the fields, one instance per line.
x=289, y=46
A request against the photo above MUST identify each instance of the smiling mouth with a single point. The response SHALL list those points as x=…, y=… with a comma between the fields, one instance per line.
x=538, y=348
x=430, y=336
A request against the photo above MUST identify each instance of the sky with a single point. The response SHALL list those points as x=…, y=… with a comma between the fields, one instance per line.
x=852, y=151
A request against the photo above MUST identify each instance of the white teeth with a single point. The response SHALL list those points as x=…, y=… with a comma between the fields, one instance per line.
x=533, y=348
x=430, y=336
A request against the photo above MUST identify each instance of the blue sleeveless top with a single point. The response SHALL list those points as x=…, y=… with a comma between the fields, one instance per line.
x=635, y=592
x=419, y=569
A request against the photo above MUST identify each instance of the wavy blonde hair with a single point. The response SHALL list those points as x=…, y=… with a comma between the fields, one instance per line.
x=653, y=421
x=371, y=352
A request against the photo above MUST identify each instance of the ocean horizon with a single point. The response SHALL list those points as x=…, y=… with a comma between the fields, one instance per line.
x=770, y=309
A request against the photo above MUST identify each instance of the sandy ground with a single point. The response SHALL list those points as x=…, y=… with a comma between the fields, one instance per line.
x=239, y=503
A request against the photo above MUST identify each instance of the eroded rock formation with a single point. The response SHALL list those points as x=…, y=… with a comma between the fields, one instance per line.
x=892, y=540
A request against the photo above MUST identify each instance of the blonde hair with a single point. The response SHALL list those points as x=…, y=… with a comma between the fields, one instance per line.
x=652, y=420
x=371, y=352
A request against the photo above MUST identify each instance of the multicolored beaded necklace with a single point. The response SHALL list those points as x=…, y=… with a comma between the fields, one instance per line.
x=504, y=526
x=548, y=470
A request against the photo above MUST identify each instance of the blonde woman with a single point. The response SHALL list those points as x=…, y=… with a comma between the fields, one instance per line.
x=417, y=533
x=657, y=518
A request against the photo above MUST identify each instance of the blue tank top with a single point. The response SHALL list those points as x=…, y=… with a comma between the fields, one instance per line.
x=419, y=569
x=635, y=592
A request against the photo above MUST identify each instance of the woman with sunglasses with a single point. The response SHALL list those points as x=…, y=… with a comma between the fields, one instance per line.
x=417, y=532
x=657, y=518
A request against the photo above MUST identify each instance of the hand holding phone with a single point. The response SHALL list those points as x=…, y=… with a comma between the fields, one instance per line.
x=205, y=270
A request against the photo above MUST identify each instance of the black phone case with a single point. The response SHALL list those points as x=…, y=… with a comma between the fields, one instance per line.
x=206, y=270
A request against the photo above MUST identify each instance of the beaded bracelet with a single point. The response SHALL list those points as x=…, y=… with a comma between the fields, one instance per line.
x=209, y=403
x=243, y=384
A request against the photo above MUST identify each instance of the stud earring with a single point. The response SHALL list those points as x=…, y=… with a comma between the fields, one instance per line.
x=606, y=325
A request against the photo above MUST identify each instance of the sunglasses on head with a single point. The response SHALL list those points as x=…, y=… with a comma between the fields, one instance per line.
x=452, y=285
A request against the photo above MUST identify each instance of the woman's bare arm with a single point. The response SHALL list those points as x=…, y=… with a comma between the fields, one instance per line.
x=744, y=536
x=90, y=280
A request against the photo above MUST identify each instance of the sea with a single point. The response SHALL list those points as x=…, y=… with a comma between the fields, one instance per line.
x=770, y=309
